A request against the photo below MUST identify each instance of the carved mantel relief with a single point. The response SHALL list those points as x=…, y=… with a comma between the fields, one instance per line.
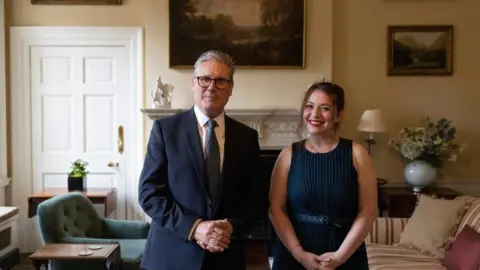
x=276, y=127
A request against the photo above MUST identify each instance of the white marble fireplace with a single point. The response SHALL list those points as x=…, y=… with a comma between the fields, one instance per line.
x=276, y=127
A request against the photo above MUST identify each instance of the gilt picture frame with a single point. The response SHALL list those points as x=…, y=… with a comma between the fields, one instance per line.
x=256, y=33
x=420, y=50
x=76, y=2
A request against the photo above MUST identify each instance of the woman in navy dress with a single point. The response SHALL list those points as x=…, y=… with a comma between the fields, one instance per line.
x=323, y=197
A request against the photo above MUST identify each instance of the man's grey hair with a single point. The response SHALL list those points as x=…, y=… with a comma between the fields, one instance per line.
x=217, y=56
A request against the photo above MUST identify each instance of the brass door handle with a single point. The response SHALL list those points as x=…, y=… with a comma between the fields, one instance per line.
x=112, y=164
x=120, y=139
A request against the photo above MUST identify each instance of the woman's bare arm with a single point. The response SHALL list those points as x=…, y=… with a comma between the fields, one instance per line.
x=367, y=188
x=278, y=198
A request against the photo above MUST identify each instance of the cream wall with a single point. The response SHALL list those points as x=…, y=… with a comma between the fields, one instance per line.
x=253, y=88
x=359, y=65
x=358, y=58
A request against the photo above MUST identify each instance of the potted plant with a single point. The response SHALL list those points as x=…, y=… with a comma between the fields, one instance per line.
x=77, y=178
x=425, y=148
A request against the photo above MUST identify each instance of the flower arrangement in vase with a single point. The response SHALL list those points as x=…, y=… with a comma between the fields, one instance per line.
x=77, y=178
x=425, y=148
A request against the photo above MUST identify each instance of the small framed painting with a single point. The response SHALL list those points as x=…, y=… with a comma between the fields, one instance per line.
x=76, y=2
x=420, y=50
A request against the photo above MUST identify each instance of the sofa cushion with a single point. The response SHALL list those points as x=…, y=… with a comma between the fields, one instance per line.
x=472, y=216
x=386, y=257
x=465, y=251
x=432, y=225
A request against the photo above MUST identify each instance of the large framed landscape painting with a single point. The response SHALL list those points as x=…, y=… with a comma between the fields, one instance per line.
x=76, y=2
x=256, y=33
x=420, y=50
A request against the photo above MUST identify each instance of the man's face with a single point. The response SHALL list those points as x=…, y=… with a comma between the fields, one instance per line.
x=212, y=87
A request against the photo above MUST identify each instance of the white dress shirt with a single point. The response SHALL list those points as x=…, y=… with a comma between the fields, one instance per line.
x=202, y=120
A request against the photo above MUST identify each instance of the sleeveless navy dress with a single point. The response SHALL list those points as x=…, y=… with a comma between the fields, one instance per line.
x=322, y=203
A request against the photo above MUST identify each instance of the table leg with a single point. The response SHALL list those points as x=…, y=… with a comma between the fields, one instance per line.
x=110, y=203
x=114, y=261
x=38, y=264
x=105, y=209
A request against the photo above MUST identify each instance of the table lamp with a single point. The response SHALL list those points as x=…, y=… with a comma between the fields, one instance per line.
x=372, y=122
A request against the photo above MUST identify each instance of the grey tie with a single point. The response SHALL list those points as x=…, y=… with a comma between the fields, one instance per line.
x=212, y=160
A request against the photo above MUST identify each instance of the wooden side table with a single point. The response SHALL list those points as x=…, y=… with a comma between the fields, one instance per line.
x=106, y=196
x=401, y=201
x=109, y=253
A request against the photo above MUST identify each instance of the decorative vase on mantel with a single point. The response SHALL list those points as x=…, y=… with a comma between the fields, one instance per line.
x=420, y=174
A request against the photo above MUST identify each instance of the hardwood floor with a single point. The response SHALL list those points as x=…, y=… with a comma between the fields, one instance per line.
x=25, y=263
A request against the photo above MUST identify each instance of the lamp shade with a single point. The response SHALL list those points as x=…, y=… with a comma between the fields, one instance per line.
x=372, y=121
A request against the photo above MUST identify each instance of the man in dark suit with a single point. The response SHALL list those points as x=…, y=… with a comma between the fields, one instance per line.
x=200, y=182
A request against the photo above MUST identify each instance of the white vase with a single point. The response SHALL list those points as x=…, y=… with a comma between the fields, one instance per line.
x=419, y=174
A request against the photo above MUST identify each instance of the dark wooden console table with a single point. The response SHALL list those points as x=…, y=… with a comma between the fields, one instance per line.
x=401, y=201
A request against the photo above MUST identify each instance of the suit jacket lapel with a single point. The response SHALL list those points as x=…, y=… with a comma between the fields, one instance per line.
x=195, y=149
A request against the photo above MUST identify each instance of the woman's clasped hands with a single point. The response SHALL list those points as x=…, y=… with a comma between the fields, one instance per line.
x=326, y=261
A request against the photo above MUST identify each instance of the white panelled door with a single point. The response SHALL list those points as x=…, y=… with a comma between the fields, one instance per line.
x=81, y=102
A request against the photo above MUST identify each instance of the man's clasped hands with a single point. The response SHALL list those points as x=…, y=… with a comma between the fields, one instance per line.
x=214, y=236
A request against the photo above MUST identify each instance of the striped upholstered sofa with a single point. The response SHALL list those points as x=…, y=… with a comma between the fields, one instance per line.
x=384, y=254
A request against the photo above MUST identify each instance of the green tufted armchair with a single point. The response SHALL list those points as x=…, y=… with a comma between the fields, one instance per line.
x=72, y=218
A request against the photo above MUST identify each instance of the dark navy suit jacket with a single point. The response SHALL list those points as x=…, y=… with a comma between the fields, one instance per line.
x=173, y=192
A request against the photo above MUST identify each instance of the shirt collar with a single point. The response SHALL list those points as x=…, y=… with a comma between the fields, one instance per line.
x=202, y=119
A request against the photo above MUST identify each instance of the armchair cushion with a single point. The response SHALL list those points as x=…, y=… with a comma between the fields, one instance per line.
x=93, y=241
x=132, y=252
x=125, y=229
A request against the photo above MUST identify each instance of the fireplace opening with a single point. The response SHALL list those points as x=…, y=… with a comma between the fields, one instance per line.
x=263, y=230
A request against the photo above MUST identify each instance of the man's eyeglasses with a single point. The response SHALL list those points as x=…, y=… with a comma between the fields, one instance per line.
x=220, y=83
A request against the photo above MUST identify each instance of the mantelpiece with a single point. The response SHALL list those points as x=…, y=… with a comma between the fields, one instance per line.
x=276, y=127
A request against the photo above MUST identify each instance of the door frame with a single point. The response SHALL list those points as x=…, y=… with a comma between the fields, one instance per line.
x=4, y=180
x=22, y=39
